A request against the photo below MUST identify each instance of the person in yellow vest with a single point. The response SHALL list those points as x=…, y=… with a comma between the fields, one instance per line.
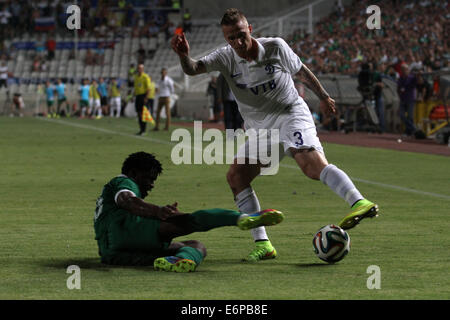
x=94, y=101
x=142, y=83
x=116, y=101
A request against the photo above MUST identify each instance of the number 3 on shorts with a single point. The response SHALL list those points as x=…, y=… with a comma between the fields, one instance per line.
x=298, y=135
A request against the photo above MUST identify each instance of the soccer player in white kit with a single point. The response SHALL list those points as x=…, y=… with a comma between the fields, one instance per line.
x=259, y=72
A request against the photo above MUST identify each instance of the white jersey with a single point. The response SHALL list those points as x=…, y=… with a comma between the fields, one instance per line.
x=263, y=88
x=165, y=87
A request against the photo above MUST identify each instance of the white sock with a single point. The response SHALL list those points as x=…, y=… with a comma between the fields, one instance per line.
x=247, y=202
x=340, y=183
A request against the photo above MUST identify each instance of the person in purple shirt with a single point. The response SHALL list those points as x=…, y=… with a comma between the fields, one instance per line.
x=406, y=89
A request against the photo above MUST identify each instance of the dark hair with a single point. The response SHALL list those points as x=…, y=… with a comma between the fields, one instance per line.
x=142, y=161
x=232, y=16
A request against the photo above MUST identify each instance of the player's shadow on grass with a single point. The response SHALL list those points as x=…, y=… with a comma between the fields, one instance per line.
x=83, y=263
x=313, y=265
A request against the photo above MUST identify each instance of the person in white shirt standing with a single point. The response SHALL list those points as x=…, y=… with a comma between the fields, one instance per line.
x=164, y=88
x=4, y=75
x=259, y=73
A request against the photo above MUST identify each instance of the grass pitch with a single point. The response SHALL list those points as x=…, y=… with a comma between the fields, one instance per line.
x=52, y=171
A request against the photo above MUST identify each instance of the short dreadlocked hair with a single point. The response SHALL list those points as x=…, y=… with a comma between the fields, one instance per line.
x=232, y=16
x=141, y=161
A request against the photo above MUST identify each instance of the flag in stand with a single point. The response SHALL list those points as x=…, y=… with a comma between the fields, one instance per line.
x=146, y=116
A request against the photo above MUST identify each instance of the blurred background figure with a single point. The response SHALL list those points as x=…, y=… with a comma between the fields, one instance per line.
x=406, y=89
x=116, y=101
x=232, y=117
x=213, y=101
x=164, y=89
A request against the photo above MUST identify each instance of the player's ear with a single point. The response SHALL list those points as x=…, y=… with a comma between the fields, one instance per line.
x=250, y=28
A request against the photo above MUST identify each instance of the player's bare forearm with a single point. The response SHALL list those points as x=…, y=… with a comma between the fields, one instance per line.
x=134, y=205
x=137, y=206
x=192, y=67
x=311, y=81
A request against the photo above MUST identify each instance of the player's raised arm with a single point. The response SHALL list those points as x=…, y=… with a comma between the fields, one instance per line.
x=190, y=66
x=327, y=104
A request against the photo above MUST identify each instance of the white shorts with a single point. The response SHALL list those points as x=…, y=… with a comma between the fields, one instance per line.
x=293, y=129
x=115, y=102
x=94, y=103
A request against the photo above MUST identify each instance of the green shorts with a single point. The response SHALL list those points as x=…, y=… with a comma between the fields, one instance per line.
x=49, y=103
x=61, y=100
x=84, y=103
x=131, y=240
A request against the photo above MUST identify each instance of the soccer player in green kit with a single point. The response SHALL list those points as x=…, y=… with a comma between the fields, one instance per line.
x=130, y=231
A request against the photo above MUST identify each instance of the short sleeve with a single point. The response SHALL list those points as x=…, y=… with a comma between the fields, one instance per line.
x=290, y=60
x=122, y=184
x=215, y=61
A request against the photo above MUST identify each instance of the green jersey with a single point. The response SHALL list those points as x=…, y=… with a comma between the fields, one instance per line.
x=107, y=209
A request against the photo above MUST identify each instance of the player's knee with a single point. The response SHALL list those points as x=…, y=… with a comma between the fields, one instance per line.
x=233, y=178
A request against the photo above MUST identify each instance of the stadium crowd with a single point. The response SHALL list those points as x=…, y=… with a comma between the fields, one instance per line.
x=413, y=32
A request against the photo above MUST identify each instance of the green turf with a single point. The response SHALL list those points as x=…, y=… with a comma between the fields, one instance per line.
x=52, y=173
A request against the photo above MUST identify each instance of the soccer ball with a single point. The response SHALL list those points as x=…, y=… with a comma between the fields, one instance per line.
x=331, y=243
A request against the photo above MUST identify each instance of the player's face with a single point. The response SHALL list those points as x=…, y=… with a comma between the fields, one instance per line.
x=239, y=37
x=145, y=180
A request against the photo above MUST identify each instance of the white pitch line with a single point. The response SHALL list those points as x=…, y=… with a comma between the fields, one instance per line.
x=384, y=185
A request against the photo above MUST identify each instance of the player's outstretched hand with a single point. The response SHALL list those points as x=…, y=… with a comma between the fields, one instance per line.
x=327, y=106
x=168, y=211
x=180, y=45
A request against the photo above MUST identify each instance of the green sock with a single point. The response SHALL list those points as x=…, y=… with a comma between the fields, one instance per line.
x=191, y=254
x=204, y=220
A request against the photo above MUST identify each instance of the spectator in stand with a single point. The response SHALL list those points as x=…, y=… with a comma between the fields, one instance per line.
x=89, y=59
x=406, y=89
x=99, y=54
x=141, y=54
x=187, y=20
x=5, y=15
x=51, y=47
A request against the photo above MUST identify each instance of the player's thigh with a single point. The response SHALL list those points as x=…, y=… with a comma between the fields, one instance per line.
x=135, y=233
